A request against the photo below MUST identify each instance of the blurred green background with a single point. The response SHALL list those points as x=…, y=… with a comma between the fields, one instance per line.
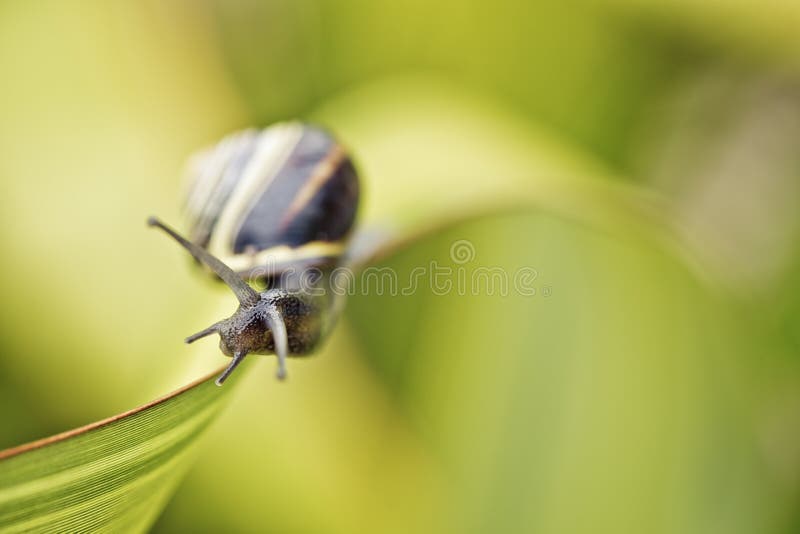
x=642, y=155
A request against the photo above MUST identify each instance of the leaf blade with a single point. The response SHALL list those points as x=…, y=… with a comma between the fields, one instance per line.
x=113, y=474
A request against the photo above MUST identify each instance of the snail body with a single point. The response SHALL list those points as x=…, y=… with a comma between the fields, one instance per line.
x=277, y=207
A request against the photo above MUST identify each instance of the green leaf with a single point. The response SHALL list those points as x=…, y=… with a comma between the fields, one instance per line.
x=113, y=475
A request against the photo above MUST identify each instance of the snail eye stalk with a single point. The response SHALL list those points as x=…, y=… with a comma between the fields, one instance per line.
x=213, y=329
x=247, y=295
x=237, y=359
x=274, y=321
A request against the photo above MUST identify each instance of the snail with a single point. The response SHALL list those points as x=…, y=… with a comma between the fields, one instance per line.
x=274, y=206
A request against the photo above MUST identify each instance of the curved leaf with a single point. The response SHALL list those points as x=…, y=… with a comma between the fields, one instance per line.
x=115, y=474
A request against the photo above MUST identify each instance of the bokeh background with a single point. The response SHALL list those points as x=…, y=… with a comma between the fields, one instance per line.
x=642, y=155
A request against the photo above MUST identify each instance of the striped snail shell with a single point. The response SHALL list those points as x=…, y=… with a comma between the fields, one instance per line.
x=270, y=204
x=267, y=200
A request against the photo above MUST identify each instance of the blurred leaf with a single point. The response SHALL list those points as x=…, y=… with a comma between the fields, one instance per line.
x=431, y=153
x=113, y=475
x=572, y=65
x=618, y=389
x=724, y=149
x=764, y=30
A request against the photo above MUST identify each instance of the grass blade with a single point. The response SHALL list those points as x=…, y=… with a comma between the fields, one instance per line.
x=112, y=475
